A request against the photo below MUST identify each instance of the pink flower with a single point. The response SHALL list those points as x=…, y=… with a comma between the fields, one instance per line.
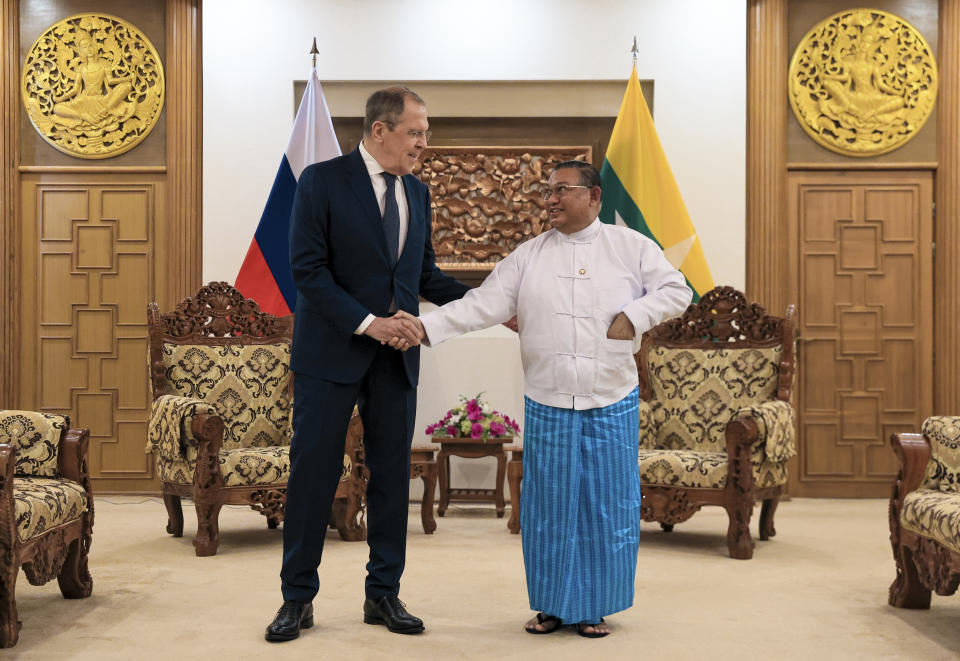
x=451, y=430
x=476, y=431
x=472, y=406
x=475, y=415
x=497, y=429
x=430, y=430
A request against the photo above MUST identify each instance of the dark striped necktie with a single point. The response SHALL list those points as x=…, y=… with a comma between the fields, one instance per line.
x=391, y=218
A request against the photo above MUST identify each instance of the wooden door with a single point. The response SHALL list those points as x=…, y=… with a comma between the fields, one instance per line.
x=864, y=256
x=91, y=258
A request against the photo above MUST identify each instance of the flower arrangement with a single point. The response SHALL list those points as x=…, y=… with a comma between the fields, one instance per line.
x=473, y=418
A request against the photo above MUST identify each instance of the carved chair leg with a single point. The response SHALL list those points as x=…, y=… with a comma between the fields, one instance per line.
x=666, y=527
x=354, y=529
x=272, y=522
x=9, y=624
x=426, y=505
x=767, y=510
x=345, y=517
x=514, y=477
x=739, y=541
x=174, y=514
x=906, y=591
x=74, y=579
x=208, y=528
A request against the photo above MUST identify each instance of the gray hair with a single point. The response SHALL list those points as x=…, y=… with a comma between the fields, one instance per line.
x=387, y=106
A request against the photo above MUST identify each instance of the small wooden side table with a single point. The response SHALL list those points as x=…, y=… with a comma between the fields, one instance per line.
x=471, y=449
x=424, y=466
x=514, y=476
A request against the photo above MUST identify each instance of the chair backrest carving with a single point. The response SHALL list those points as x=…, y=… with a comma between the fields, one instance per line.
x=220, y=347
x=720, y=354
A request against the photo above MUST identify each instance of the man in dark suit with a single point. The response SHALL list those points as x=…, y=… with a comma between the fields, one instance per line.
x=361, y=253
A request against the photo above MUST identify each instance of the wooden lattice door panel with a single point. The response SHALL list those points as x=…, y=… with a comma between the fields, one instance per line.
x=91, y=254
x=864, y=280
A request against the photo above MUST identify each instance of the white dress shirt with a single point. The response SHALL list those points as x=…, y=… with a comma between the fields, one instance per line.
x=566, y=290
x=374, y=169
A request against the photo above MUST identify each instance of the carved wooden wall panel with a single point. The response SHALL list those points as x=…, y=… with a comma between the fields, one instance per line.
x=488, y=200
x=865, y=331
x=91, y=252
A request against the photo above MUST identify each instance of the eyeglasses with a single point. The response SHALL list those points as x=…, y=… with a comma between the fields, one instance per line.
x=413, y=134
x=420, y=134
x=559, y=191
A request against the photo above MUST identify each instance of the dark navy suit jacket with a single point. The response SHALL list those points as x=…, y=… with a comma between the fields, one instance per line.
x=338, y=253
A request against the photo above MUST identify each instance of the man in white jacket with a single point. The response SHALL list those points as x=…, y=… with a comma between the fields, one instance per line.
x=583, y=292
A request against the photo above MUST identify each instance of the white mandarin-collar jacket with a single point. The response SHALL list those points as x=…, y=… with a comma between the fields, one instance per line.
x=566, y=290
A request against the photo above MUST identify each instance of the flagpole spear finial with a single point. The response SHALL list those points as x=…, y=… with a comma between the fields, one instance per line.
x=314, y=52
x=635, y=51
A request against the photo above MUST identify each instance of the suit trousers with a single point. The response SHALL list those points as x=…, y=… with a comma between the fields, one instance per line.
x=321, y=413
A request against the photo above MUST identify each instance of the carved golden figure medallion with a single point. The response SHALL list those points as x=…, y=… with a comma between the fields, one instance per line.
x=93, y=86
x=862, y=82
x=488, y=200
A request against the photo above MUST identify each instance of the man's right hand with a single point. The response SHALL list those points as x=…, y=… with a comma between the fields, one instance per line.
x=398, y=331
x=401, y=343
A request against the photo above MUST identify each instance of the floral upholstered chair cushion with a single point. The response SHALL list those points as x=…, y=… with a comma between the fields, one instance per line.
x=933, y=510
x=41, y=504
x=934, y=514
x=684, y=468
x=698, y=391
x=248, y=385
x=35, y=436
x=171, y=438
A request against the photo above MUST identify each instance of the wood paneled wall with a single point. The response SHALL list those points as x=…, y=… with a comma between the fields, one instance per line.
x=9, y=198
x=184, y=148
x=768, y=256
x=87, y=244
x=946, y=274
x=773, y=271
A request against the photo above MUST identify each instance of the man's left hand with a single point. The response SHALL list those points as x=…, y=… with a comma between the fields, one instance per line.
x=621, y=328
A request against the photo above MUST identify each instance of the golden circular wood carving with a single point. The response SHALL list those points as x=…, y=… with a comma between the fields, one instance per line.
x=93, y=86
x=862, y=82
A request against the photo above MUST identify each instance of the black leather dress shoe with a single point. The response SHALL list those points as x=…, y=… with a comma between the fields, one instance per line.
x=389, y=610
x=291, y=617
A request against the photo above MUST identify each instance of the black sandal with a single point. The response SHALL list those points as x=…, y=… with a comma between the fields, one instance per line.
x=545, y=619
x=581, y=629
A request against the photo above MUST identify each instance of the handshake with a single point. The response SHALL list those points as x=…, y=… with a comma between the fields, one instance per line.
x=401, y=331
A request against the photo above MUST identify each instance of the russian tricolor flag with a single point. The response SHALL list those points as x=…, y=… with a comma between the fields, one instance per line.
x=265, y=275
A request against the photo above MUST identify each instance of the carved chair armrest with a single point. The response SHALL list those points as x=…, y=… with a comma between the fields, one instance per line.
x=72, y=455
x=774, y=421
x=8, y=524
x=913, y=452
x=176, y=422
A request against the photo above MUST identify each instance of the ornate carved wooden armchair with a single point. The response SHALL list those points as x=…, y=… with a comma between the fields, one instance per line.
x=220, y=423
x=716, y=424
x=46, y=509
x=925, y=513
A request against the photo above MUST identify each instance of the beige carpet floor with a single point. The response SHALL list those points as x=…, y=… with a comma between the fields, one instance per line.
x=816, y=591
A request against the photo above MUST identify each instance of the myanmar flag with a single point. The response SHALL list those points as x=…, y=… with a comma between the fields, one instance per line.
x=639, y=190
